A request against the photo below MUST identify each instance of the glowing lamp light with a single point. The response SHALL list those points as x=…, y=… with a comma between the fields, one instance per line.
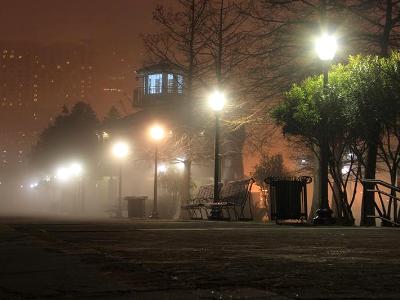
x=162, y=169
x=180, y=165
x=345, y=170
x=76, y=169
x=63, y=174
x=120, y=150
x=326, y=46
x=216, y=100
x=157, y=132
x=105, y=135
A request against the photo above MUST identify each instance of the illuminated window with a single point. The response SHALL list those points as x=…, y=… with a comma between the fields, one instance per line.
x=170, y=83
x=179, y=80
x=154, y=84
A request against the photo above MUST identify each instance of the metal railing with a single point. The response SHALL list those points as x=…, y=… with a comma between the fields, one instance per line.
x=388, y=207
x=139, y=94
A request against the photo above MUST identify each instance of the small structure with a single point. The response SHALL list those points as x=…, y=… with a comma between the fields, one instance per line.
x=160, y=84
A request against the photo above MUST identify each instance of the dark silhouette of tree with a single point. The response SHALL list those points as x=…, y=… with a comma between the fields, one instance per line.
x=112, y=115
x=72, y=135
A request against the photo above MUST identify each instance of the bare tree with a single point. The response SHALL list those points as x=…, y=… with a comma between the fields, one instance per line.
x=180, y=43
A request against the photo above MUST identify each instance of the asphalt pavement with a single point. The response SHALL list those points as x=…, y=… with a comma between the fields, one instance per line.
x=64, y=258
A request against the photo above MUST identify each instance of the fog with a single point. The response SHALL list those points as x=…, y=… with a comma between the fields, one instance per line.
x=95, y=196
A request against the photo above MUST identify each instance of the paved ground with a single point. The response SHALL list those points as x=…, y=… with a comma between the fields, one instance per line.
x=103, y=259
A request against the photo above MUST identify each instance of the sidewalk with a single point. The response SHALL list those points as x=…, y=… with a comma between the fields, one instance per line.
x=106, y=259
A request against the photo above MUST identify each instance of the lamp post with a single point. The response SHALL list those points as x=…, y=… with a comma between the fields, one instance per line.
x=76, y=170
x=120, y=150
x=216, y=101
x=157, y=134
x=325, y=47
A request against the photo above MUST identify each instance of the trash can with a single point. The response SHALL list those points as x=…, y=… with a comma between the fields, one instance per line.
x=136, y=206
x=288, y=197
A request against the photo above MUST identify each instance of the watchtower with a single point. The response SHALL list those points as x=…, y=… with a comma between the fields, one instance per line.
x=160, y=84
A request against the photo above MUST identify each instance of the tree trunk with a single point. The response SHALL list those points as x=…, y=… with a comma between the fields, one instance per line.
x=387, y=28
x=324, y=171
x=368, y=199
x=316, y=186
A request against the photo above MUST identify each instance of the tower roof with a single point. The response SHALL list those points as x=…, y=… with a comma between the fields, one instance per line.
x=162, y=67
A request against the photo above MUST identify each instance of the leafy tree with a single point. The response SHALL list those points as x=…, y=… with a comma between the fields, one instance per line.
x=266, y=167
x=360, y=101
x=112, y=114
x=269, y=166
x=375, y=82
x=320, y=117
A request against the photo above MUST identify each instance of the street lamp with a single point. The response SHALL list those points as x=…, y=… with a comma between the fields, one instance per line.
x=157, y=133
x=216, y=100
x=63, y=174
x=326, y=47
x=76, y=170
x=120, y=150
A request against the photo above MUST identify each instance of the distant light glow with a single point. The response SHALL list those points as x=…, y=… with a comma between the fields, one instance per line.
x=162, y=168
x=120, y=149
x=105, y=135
x=326, y=46
x=157, y=133
x=76, y=169
x=33, y=185
x=345, y=170
x=63, y=174
x=216, y=100
x=180, y=163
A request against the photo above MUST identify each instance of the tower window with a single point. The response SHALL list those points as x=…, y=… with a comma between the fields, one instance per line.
x=170, y=83
x=179, y=79
x=154, y=84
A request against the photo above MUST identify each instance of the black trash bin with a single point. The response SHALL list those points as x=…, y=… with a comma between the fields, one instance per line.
x=288, y=197
x=136, y=206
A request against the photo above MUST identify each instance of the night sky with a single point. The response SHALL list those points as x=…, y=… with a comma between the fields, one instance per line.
x=113, y=29
x=101, y=20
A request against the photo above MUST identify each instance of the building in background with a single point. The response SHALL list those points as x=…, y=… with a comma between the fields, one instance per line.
x=35, y=82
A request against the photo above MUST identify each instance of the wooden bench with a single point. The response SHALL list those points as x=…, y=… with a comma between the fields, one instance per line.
x=234, y=196
x=195, y=206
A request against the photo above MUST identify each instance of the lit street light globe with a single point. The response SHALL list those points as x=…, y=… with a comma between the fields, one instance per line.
x=326, y=46
x=162, y=169
x=157, y=132
x=120, y=150
x=76, y=169
x=63, y=174
x=216, y=100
